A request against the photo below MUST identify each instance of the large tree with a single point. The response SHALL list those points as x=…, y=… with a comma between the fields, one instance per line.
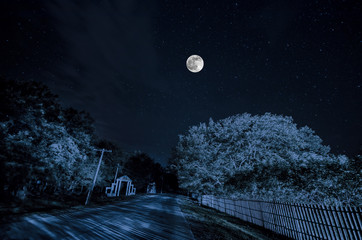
x=42, y=144
x=265, y=157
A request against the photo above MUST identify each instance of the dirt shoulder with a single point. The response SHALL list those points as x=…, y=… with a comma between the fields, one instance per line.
x=209, y=224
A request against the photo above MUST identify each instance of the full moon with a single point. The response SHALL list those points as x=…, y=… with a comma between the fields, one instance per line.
x=194, y=63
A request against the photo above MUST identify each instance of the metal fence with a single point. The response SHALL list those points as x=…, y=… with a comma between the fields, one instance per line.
x=297, y=221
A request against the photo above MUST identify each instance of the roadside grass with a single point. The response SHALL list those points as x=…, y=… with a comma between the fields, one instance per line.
x=210, y=224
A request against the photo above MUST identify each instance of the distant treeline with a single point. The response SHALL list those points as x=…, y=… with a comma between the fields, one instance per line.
x=48, y=149
x=265, y=157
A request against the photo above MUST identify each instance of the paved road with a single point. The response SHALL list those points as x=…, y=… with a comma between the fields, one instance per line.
x=145, y=217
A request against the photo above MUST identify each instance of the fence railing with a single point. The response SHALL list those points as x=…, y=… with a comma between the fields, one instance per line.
x=297, y=221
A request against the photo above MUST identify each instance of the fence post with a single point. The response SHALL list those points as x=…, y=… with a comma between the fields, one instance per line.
x=261, y=213
x=251, y=218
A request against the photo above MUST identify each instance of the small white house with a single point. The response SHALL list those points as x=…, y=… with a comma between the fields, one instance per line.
x=122, y=186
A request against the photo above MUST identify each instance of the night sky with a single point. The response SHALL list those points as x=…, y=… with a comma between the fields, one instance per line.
x=124, y=62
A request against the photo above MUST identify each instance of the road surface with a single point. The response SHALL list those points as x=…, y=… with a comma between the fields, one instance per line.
x=144, y=217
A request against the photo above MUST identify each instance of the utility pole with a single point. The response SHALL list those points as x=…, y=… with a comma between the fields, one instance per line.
x=95, y=177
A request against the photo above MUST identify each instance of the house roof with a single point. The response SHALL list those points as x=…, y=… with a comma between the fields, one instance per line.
x=124, y=178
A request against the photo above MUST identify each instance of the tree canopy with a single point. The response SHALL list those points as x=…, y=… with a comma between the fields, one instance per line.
x=42, y=143
x=262, y=157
